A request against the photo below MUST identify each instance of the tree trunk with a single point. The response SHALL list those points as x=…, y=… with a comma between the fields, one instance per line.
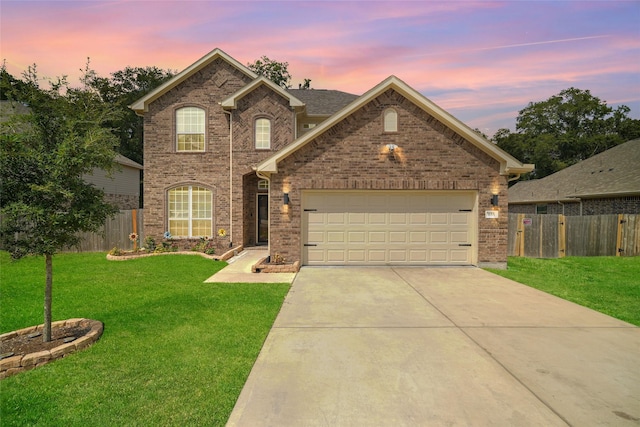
x=46, y=333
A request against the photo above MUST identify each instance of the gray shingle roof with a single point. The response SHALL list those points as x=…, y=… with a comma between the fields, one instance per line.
x=322, y=102
x=615, y=172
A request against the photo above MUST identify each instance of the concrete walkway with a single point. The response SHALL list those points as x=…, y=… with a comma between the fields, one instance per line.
x=438, y=346
x=239, y=270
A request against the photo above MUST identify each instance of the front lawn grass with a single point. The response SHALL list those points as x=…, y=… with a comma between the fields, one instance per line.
x=610, y=285
x=175, y=350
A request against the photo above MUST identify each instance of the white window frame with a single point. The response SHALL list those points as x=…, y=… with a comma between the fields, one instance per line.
x=190, y=121
x=189, y=213
x=262, y=137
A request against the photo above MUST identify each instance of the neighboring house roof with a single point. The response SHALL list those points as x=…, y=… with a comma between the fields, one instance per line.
x=323, y=102
x=612, y=173
x=508, y=164
x=125, y=161
x=231, y=101
x=142, y=105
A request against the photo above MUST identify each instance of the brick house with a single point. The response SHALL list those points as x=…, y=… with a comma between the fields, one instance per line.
x=607, y=183
x=323, y=177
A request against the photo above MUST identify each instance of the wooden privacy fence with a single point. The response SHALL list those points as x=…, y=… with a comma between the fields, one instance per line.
x=556, y=236
x=115, y=233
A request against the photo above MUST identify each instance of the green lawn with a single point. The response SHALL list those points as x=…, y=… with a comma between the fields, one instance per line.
x=610, y=285
x=175, y=350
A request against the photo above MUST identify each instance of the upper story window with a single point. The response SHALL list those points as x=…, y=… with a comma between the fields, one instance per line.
x=390, y=120
x=263, y=133
x=190, y=129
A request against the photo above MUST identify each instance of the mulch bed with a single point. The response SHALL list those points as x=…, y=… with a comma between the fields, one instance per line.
x=22, y=345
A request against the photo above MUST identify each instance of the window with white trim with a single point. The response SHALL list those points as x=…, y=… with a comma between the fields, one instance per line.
x=390, y=120
x=190, y=123
x=190, y=211
x=263, y=184
x=263, y=133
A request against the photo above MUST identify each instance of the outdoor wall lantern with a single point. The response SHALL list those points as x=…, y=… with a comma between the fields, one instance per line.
x=286, y=199
x=494, y=200
x=391, y=148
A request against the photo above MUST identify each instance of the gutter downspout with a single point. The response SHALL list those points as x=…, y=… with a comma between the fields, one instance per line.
x=562, y=204
x=230, y=176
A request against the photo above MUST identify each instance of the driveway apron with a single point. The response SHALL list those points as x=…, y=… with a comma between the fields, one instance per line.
x=412, y=346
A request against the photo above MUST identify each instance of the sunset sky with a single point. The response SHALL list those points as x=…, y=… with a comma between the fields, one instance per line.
x=482, y=61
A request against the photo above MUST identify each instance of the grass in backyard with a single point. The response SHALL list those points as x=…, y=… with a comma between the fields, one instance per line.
x=610, y=285
x=175, y=350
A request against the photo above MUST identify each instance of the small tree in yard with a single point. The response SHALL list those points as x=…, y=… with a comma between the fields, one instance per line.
x=44, y=202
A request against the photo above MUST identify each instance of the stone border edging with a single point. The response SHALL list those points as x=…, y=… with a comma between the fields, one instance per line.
x=263, y=267
x=16, y=364
x=225, y=256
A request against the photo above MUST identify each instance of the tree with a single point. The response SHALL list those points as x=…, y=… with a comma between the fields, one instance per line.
x=273, y=70
x=122, y=89
x=565, y=129
x=43, y=155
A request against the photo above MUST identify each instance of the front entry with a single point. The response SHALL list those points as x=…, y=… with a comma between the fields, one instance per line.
x=263, y=219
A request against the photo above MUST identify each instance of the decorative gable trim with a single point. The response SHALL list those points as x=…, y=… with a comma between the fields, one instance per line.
x=142, y=105
x=508, y=164
x=231, y=102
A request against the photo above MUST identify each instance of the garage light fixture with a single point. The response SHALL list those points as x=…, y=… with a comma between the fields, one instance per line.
x=494, y=200
x=391, y=148
x=286, y=199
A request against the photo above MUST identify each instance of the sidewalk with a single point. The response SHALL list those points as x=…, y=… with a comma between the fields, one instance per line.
x=239, y=270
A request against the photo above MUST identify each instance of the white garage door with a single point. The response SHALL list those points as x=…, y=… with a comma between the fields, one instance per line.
x=389, y=228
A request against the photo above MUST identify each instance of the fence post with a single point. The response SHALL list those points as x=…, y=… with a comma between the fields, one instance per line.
x=619, y=249
x=562, y=237
x=134, y=221
x=520, y=236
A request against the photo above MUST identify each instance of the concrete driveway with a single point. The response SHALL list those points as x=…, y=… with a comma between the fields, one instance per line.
x=438, y=346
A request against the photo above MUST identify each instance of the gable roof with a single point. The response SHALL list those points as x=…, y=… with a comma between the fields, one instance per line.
x=508, y=164
x=142, y=105
x=231, y=102
x=323, y=102
x=612, y=173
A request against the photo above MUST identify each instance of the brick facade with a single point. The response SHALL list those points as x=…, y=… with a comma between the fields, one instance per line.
x=165, y=168
x=347, y=157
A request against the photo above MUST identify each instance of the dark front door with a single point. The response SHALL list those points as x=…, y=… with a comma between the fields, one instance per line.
x=263, y=218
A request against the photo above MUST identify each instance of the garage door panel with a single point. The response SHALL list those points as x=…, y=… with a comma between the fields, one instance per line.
x=459, y=256
x=356, y=237
x=357, y=218
x=398, y=237
x=336, y=237
x=377, y=219
x=335, y=218
x=459, y=237
x=380, y=227
x=460, y=218
x=377, y=255
x=336, y=255
x=439, y=219
x=377, y=237
x=418, y=237
x=397, y=255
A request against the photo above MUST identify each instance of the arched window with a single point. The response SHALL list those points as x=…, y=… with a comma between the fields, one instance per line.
x=190, y=129
x=390, y=120
x=190, y=211
x=263, y=133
